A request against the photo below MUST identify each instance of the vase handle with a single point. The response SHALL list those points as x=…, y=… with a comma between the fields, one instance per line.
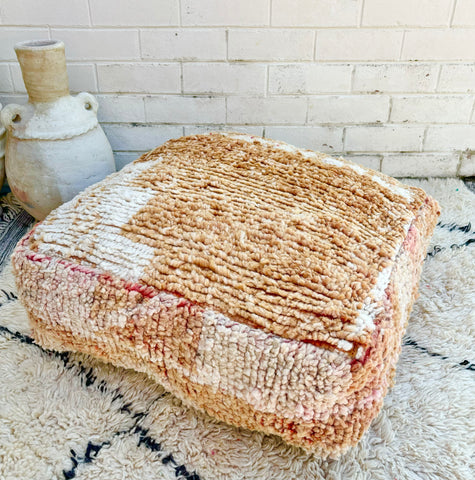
x=11, y=115
x=89, y=101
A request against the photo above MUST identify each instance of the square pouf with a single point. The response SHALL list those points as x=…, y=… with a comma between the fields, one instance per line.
x=266, y=285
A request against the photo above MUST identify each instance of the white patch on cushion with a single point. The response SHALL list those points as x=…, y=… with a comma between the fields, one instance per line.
x=372, y=303
x=101, y=244
x=345, y=345
x=398, y=190
x=333, y=161
x=274, y=375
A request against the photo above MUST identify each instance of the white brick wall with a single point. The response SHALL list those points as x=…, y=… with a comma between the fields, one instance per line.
x=390, y=85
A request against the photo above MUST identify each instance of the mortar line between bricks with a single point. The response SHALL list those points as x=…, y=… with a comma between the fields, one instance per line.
x=266, y=82
x=343, y=153
x=424, y=139
x=361, y=13
x=226, y=38
x=359, y=93
x=96, y=77
x=145, y=110
x=452, y=12
x=472, y=112
x=10, y=75
x=390, y=108
x=459, y=165
x=140, y=43
x=439, y=74
x=314, y=53
x=180, y=10
x=352, y=78
x=264, y=26
x=89, y=12
x=182, y=83
x=403, y=39
x=414, y=126
x=274, y=62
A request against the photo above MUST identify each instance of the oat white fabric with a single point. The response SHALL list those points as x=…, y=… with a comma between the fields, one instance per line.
x=68, y=416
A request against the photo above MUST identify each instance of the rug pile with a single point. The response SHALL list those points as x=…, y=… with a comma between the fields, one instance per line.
x=66, y=416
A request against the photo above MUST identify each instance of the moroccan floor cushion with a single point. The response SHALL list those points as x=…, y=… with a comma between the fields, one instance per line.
x=266, y=285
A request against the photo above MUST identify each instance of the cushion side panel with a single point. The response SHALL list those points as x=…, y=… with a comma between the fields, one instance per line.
x=315, y=398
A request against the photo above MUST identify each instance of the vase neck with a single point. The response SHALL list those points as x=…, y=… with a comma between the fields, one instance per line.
x=43, y=66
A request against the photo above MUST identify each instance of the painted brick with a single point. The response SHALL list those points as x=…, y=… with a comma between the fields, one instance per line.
x=406, y=13
x=315, y=13
x=140, y=137
x=420, y=165
x=267, y=110
x=271, y=44
x=434, y=44
x=9, y=36
x=93, y=44
x=224, y=78
x=202, y=129
x=432, y=109
x=6, y=84
x=123, y=158
x=309, y=78
x=225, y=12
x=450, y=137
x=18, y=83
x=138, y=12
x=395, y=78
x=368, y=161
x=464, y=13
x=383, y=138
x=183, y=44
x=457, y=78
x=189, y=109
x=348, y=109
x=358, y=44
x=6, y=98
x=467, y=164
x=121, y=108
x=248, y=66
x=139, y=77
x=82, y=78
x=324, y=139
x=44, y=12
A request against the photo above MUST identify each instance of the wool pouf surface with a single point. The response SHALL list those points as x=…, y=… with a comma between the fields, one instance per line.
x=69, y=416
x=267, y=285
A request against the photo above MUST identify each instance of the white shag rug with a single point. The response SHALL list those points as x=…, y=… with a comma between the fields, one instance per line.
x=66, y=416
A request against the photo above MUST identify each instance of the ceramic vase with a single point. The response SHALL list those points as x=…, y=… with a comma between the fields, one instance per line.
x=55, y=146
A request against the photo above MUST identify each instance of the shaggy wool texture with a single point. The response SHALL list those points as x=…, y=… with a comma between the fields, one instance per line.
x=264, y=284
x=69, y=416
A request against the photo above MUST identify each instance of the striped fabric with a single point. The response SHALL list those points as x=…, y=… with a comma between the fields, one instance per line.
x=14, y=222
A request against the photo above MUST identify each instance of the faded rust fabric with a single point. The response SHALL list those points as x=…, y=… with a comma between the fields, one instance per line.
x=264, y=284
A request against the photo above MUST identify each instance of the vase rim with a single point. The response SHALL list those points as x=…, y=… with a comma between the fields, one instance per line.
x=41, y=44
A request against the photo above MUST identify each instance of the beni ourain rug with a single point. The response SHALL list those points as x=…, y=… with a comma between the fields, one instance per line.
x=66, y=416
